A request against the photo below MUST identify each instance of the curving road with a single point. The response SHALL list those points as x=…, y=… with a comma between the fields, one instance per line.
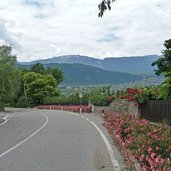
x=42, y=140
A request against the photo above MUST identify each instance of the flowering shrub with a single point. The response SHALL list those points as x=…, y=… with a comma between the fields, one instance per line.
x=149, y=144
x=141, y=95
x=136, y=95
x=72, y=108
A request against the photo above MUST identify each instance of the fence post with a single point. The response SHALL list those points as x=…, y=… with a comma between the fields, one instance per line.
x=92, y=108
x=139, y=109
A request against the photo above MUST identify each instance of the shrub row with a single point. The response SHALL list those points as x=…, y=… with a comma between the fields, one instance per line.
x=140, y=140
x=71, y=108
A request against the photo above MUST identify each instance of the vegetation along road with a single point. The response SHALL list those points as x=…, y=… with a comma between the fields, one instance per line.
x=43, y=140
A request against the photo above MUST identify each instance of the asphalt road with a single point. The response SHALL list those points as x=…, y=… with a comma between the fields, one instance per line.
x=42, y=140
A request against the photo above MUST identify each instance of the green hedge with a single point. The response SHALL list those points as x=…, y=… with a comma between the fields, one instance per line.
x=99, y=100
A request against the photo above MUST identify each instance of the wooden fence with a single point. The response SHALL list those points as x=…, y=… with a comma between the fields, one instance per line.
x=156, y=111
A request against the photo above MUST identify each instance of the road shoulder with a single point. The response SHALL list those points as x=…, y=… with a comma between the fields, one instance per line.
x=99, y=122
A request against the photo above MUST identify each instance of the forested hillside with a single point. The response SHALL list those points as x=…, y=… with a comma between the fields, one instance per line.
x=81, y=74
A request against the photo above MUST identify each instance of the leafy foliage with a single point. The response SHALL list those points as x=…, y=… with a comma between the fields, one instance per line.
x=55, y=72
x=39, y=86
x=38, y=68
x=101, y=96
x=104, y=5
x=141, y=94
x=164, y=67
x=165, y=88
x=69, y=99
x=99, y=100
x=164, y=63
x=9, y=75
x=6, y=56
x=97, y=96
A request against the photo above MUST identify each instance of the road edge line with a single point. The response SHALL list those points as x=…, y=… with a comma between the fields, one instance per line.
x=109, y=148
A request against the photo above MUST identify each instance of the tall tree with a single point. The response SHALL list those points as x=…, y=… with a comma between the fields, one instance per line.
x=165, y=88
x=164, y=63
x=38, y=68
x=9, y=75
x=39, y=86
x=55, y=72
x=164, y=68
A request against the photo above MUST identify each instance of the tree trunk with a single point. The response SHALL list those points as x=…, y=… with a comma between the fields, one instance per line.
x=2, y=108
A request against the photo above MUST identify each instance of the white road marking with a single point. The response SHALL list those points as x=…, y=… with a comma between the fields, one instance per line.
x=109, y=148
x=76, y=114
x=6, y=118
x=22, y=142
x=11, y=115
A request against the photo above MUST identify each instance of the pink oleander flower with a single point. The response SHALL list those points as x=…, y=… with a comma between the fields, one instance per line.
x=157, y=159
x=143, y=156
x=149, y=150
x=144, y=168
x=154, y=131
x=153, y=155
x=141, y=159
x=157, y=148
x=149, y=144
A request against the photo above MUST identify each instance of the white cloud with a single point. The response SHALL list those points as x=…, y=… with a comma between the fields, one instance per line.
x=47, y=28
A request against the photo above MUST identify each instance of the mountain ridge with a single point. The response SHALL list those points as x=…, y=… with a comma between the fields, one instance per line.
x=132, y=64
x=79, y=74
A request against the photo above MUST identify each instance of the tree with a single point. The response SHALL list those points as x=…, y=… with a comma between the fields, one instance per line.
x=164, y=67
x=38, y=86
x=55, y=72
x=103, y=6
x=165, y=88
x=164, y=63
x=9, y=75
x=6, y=56
x=38, y=68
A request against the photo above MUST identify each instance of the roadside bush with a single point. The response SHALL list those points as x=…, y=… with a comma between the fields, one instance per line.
x=22, y=102
x=99, y=100
x=165, y=88
x=72, y=99
x=141, y=94
x=149, y=144
x=71, y=108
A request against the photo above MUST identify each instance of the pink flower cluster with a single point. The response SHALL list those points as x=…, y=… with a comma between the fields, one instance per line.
x=131, y=93
x=71, y=108
x=139, y=140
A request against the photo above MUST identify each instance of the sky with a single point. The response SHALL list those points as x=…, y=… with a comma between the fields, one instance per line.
x=39, y=29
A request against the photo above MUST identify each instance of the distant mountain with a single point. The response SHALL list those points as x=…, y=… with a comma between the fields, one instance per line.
x=133, y=65
x=78, y=74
